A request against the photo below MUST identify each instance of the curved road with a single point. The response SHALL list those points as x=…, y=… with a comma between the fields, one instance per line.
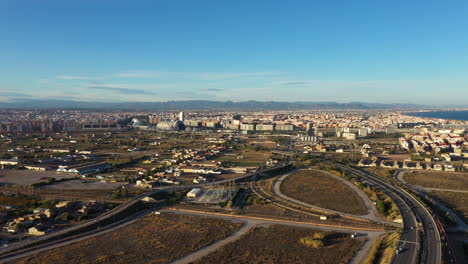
x=461, y=225
x=414, y=214
x=361, y=255
x=368, y=203
x=400, y=176
x=369, y=234
x=372, y=234
x=33, y=242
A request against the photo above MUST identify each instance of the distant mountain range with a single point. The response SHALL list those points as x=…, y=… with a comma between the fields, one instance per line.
x=203, y=105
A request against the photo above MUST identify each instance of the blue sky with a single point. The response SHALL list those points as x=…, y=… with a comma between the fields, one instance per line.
x=158, y=50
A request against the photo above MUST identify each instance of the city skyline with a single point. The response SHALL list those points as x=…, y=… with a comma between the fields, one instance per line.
x=114, y=51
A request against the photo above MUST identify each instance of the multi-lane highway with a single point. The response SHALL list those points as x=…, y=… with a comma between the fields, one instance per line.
x=415, y=246
x=461, y=226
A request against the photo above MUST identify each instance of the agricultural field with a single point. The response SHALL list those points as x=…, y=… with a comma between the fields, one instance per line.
x=153, y=239
x=454, y=200
x=248, y=159
x=319, y=189
x=435, y=179
x=265, y=144
x=280, y=244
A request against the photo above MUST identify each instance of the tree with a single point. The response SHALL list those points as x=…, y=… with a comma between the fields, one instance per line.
x=381, y=207
x=7, y=156
x=63, y=217
x=116, y=194
x=50, y=180
x=124, y=192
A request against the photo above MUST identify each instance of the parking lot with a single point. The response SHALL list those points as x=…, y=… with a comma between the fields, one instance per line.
x=28, y=177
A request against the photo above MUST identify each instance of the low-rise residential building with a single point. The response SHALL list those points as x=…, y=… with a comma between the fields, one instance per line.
x=284, y=127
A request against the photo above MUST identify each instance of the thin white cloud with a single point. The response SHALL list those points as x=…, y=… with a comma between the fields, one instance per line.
x=138, y=86
x=193, y=75
x=13, y=94
x=228, y=75
x=139, y=74
x=120, y=90
x=342, y=83
x=70, y=77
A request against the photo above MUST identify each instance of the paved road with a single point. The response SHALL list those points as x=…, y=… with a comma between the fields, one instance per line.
x=461, y=225
x=361, y=255
x=370, y=207
x=70, y=240
x=399, y=176
x=369, y=235
x=324, y=226
x=442, y=190
x=413, y=212
x=364, y=251
x=61, y=242
x=215, y=246
x=108, y=215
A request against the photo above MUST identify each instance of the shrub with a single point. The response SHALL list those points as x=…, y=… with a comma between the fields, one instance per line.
x=381, y=207
x=319, y=236
x=63, y=217
x=311, y=242
x=116, y=195
x=49, y=204
x=51, y=180
x=256, y=201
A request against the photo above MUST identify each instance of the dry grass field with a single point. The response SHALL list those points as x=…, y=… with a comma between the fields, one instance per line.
x=69, y=194
x=280, y=244
x=382, y=172
x=320, y=189
x=154, y=239
x=249, y=158
x=456, y=201
x=269, y=211
x=435, y=179
x=263, y=209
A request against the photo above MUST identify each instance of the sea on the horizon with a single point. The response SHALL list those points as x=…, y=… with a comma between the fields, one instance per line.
x=450, y=115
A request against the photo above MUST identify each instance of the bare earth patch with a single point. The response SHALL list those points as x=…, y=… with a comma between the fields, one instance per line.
x=281, y=244
x=456, y=201
x=320, y=189
x=382, y=172
x=442, y=180
x=28, y=177
x=154, y=239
